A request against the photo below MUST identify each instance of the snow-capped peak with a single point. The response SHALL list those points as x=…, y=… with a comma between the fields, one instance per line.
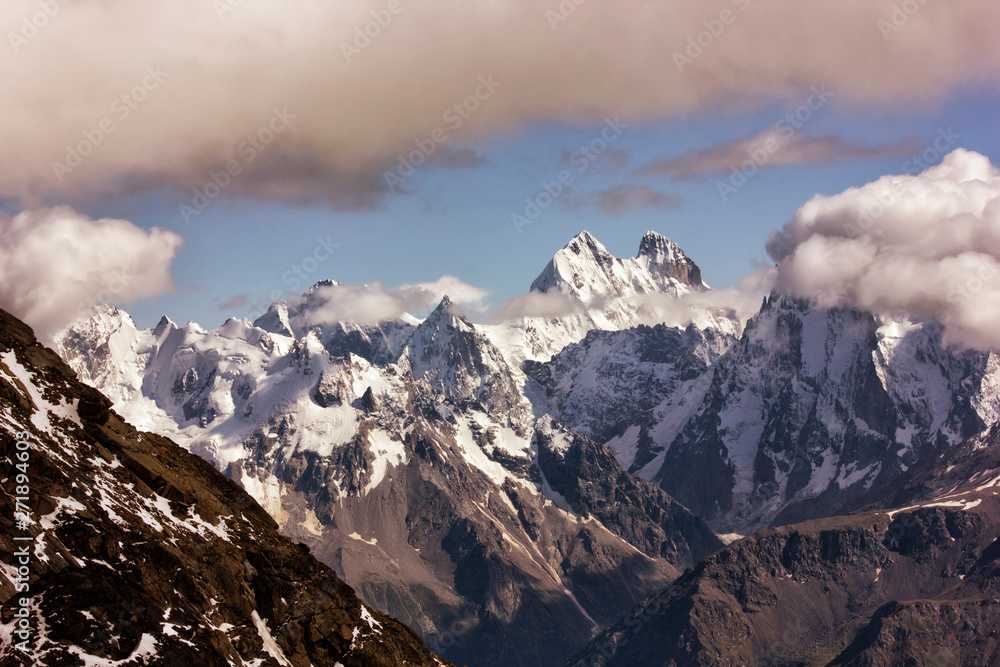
x=164, y=325
x=583, y=254
x=447, y=315
x=586, y=270
x=605, y=292
x=276, y=320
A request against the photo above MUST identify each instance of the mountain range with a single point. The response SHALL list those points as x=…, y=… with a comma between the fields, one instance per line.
x=510, y=491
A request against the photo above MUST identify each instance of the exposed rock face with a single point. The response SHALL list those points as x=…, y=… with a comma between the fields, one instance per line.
x=917, y=586
x=450, y=358
x=813, y=408
x=142, y=553
x=380, y=344
x=662, y=257
x=593, y=483
x=613, y=385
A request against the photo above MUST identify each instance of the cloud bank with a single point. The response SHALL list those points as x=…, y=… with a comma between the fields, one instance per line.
x=137, y=95
x=55, y=264
x=374, y=302
x=550, y=304
x=927, y=245
x=741, y=301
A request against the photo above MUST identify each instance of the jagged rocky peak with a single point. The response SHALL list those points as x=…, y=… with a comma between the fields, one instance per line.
x=446, y=315
x=456, y=360
x=661, y=255
x=163, y=326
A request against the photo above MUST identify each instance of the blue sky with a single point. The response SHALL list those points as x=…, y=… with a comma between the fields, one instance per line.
x=458, y=222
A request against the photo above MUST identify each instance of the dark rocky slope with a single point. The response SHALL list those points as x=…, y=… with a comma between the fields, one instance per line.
x=143, y=553
x=918, y=585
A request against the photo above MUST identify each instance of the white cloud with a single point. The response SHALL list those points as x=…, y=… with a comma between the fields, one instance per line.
x=56, y=263
x=354, y=116
x=538, y=304
x=925, y=244
x=742, y=301
x=374, y=302
x=423, y=295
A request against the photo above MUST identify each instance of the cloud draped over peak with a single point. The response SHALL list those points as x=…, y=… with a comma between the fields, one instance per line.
x=741, y=301
x=55, y=264
x=927, y=245
x=547, y=305
x=137, y=95
x=374, y=302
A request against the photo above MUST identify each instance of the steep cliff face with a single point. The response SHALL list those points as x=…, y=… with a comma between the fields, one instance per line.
x=812, y=409
x=129, y=550
x=614, y=386
x=912, y=579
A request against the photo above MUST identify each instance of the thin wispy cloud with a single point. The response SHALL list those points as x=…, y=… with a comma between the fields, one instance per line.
x=622, y=199
x=463, y=158
x=232, y=303
x=374, y=302
x=773, y=148
x=610, y=159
